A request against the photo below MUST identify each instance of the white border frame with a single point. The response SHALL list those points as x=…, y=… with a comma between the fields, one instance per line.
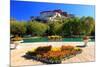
x=4, y=36
x=87, y=2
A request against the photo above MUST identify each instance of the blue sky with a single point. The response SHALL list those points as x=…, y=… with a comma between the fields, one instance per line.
x=22, y=10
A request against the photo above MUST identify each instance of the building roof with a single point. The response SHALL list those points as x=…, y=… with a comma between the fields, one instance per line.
x=58, y=11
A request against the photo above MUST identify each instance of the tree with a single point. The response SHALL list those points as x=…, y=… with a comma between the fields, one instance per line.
x=37, y=28
x=87, y=25
x=72, y=27
x=62, y=26
x=55, y=28
x=93, y=32
x=17, y=28
x=76, y=26
x=67, y=28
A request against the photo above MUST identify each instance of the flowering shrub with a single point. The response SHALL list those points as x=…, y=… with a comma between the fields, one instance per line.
x=16, y=38
x=67, y=48
x=53, y=54
x=45, y=54
x=54, y=37
x=55, y=49
x=43, y=49
x=85, y=38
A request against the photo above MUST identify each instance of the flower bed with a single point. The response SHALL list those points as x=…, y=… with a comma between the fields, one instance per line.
x=47, y=55
x=55, y=38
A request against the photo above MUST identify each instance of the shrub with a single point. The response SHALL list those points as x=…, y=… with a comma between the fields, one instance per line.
x=53, y=54
x=54, y=37
x=67, y=48
x=54, y=60
x=85, y=38
x=78, y=50
x=31, y=53
x=43, y=49
x=16, y=38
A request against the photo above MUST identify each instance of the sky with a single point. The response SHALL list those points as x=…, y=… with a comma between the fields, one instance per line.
x=22, y=10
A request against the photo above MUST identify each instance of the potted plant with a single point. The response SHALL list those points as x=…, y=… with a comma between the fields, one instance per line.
x=85, y=40
x=17, y=40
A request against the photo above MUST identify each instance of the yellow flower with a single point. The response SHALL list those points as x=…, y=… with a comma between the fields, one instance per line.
x=33, y=49
x=76, y=48
x=55, y=49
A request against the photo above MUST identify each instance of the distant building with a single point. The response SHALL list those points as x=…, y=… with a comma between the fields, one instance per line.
x=52, y=15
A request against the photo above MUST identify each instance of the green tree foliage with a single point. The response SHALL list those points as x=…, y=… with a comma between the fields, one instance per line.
x=55, y=28
x=17, y=28
x=87, y=24
x=37, y=28
x=62, y=26
x=67, y=28
x=76, y=28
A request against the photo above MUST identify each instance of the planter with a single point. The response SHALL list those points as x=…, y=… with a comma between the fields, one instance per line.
x=17, y=42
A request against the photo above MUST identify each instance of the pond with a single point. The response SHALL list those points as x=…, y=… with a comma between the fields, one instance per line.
x=45, y=39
